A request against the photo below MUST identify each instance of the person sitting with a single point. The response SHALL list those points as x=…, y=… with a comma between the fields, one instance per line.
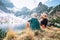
x=33, y=23
x=44, y=20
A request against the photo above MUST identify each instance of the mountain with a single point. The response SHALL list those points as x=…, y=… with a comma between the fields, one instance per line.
x=4, y=5
x=24, y=11
x=53, y=10
x=40, y=8
x=54, y=13
x=8, y=3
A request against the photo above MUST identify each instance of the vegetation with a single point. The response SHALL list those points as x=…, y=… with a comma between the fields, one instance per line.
x=57, y=20
x=48, y=34
x=56, y=8
x=2, y=34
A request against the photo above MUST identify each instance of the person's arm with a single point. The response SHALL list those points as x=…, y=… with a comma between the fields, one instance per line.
x=27, y=25
x=40, y=20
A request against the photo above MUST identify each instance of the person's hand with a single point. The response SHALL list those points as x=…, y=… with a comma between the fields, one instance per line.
x=43, y=26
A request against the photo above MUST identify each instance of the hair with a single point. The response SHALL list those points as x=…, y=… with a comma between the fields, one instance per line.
x=44, y=15
x=34, y=14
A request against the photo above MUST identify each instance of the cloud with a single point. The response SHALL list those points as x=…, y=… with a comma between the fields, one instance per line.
x=28, y=3
x=10, y=20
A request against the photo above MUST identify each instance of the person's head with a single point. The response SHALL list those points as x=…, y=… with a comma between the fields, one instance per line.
x=34, y=15
x=43, y=15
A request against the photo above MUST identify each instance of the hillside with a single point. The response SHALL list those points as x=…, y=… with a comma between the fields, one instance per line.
x=52, y=33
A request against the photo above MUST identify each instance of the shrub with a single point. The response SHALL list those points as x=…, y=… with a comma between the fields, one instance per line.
x=2, y=34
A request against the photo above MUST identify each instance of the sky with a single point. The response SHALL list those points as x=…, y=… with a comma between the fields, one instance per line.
x=52, y=3
x=33, y=3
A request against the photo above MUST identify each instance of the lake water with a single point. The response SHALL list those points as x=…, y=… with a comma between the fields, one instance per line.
x=15, y=27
